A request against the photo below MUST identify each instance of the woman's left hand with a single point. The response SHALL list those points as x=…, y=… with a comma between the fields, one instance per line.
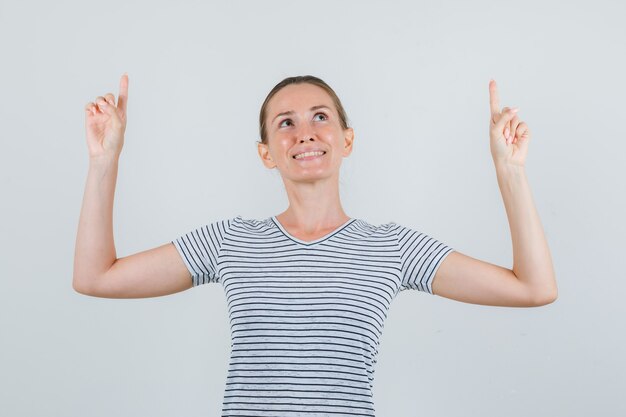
x=509, y=136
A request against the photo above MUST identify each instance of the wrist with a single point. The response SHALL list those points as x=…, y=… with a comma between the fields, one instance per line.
x=509, y=169
x=103, y=161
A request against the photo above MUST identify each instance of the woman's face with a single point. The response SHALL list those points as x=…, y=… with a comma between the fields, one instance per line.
x=300, y=118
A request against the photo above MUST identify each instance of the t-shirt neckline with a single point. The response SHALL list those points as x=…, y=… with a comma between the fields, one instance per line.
x=313, y=242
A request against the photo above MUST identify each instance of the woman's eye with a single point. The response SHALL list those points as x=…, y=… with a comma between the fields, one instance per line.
x=317, y=114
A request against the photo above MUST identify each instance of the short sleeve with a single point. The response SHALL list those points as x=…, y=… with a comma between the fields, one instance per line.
x=200, y=250
x=420, y=257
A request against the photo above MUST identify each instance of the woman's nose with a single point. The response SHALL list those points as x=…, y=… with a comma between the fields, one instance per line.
x=306, y=132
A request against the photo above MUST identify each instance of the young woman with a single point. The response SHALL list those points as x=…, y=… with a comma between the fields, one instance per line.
x=308, y=290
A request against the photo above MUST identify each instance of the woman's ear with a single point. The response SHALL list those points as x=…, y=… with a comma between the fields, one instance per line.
x=348, y=141
x=266, y=157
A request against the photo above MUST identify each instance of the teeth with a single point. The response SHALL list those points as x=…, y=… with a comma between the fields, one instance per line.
x=303, y=155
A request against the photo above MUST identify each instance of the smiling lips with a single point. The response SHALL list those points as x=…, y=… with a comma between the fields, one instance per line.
x=305, y=156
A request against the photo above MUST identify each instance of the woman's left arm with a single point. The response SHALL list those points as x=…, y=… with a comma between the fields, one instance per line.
x=532, y=281
x=532, y=262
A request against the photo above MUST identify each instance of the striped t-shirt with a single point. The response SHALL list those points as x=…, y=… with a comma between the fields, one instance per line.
x=306, y=317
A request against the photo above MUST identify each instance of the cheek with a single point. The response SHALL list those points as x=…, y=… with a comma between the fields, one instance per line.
x=278, y=139
x=283, y=143
x=331, y=132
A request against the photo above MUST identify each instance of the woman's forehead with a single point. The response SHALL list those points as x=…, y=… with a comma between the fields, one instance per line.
x=299, y=96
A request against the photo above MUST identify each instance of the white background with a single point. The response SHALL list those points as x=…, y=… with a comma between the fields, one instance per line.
x=413, y=77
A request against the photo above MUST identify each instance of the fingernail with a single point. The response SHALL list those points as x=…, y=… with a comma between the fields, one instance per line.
x=506, y=133
x=514, y=109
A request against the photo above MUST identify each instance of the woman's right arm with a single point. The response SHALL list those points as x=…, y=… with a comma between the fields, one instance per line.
x=97, y=270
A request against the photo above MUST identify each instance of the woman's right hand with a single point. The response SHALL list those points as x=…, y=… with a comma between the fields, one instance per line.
x=105, y=123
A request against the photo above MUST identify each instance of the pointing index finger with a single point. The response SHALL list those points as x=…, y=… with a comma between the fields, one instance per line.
x=122, y=99
x=494, y=98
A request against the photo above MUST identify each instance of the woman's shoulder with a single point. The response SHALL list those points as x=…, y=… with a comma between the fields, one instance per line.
x=251, y=224
x=374, y=227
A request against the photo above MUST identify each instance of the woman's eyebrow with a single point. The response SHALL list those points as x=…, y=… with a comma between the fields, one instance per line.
x=286, y=113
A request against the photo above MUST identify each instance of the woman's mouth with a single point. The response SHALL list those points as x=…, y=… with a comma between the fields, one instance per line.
x=307, y=156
